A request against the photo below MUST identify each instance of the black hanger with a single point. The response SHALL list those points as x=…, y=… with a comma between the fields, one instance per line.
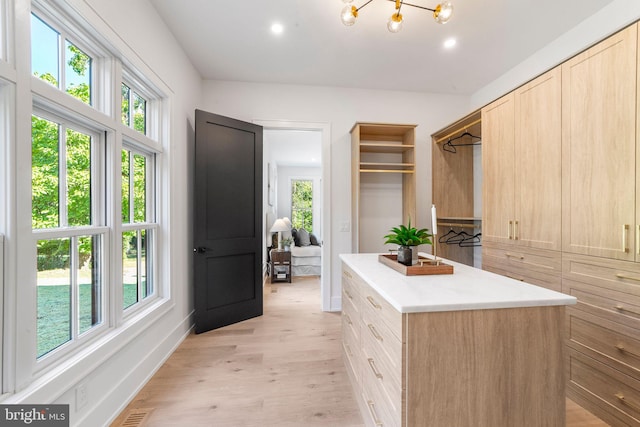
x=444, y=237
x=471, y=242
x=451, y=147
x=459, y=237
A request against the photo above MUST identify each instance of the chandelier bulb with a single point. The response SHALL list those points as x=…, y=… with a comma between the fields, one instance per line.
x=443, y=12
x=395, y=23
x=349, y=15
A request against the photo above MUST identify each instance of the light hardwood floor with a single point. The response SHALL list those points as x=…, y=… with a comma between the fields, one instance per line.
x=283, y=369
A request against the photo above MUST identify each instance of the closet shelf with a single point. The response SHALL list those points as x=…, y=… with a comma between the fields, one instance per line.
x=366, y=147
x=386, y=164
x=387, y=170
x=459, y=218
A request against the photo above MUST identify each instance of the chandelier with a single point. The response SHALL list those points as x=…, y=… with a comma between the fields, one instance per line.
x=441, y=14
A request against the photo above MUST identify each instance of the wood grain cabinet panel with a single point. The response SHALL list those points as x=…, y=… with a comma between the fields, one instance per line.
x=599, y=148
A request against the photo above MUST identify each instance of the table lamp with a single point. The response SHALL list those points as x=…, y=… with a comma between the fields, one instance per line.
x=279, y=226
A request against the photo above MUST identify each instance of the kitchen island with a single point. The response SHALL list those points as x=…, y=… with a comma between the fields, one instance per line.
x=468, y=349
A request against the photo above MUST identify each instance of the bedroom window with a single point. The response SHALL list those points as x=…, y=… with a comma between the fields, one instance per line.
x=302, y=204
x=134, y=109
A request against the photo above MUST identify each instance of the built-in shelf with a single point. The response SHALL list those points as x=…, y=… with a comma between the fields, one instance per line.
x=369, y=147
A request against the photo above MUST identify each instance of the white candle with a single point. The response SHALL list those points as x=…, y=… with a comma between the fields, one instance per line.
x=434, y=221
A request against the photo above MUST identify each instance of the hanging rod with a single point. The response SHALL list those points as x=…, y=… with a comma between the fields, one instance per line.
x=468, y=125
x=457, y=224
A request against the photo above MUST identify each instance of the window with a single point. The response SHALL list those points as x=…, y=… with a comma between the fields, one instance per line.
x=138, y=216
x=302, y=204
x=60, y=62
x=66, y=217
x=135, y=117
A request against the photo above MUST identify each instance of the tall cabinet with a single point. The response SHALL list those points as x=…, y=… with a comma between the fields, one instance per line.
x=522, y=182
x=383, y=182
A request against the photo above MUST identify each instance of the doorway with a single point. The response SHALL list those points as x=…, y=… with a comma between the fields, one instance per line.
x=323, y=129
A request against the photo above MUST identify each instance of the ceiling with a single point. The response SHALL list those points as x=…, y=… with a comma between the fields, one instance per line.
x=231, y=40
x=294, y=147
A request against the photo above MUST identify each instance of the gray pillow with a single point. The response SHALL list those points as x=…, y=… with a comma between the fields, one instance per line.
x=314, y=239
x=303, y=236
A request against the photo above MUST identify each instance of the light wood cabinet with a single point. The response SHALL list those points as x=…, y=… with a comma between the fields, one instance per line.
x=383, y=183
x=465, y=368
x=599, y=148
x=522, y=165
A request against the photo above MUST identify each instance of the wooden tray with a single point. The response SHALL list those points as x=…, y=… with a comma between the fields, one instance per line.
x=428, y=266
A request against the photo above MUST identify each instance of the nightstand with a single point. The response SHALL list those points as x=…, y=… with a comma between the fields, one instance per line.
x=280, y=266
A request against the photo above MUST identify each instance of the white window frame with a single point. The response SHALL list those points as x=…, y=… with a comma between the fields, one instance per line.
x=98, y=227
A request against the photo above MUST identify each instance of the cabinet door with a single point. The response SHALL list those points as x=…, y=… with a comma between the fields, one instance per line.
x=498, y=157
x=538, y=160
x=598, y=148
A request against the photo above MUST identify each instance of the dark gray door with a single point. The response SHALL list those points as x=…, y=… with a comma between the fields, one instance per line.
x=228, y=221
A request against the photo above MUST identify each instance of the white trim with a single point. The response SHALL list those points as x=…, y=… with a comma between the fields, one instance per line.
x=325, y=129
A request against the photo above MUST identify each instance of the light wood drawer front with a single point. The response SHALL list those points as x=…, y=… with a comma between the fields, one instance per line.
x=619, y=393
x=612, y=305
x=351, y=327
x=610, y=341
x=351, y=290
x=619, y=276
x=379, y=409
x=352, y=365
x=387, y=375
x=553, y=282
x=380, y=334
x=540, y=260
x=374, y=303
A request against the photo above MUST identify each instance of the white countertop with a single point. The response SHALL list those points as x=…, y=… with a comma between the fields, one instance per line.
x=467, y=288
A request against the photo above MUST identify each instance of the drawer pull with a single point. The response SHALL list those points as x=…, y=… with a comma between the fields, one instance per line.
x=374, y=303
x=346, y=316
x=514, y=278
x=348, y=350
x=624, y=276
x=374, y=332
x=348, y=294
x=623, y=308
x=509, y=230
x=508, y=255
x=372, y=410
x=624, y=401
x=346, y=273
x=372, y=364
x=516, y=230
x=638, y=239
x=621, y=348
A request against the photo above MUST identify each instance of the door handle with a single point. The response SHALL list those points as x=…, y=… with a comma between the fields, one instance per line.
x=201, y=250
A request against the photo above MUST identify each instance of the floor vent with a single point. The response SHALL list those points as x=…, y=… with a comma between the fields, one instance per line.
x=137, y=417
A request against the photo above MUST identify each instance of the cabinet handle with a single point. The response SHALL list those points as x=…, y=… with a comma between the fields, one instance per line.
x=346, y=273
x=372, y=410
x=622, y=308
x=374, y=332
x=508, y=255
x=516, y=230
x=514, y=278
x=638, y=239
x=373, y=302
x=346, y=316
x=372, y=364
x=509, y=229
x=624, y=401
x=348, y=294
x=621, y=348
x=625, y=231
x=624, y=276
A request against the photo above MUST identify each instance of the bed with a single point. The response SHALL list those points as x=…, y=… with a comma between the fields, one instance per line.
x=306, y=254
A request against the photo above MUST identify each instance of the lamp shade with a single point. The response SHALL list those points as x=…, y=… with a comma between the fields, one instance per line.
x=279, y=225
x=288, y=222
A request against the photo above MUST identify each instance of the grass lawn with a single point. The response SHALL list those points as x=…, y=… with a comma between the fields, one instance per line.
x=54, y=322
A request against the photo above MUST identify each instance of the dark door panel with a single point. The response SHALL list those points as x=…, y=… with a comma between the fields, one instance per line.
x=228, y=221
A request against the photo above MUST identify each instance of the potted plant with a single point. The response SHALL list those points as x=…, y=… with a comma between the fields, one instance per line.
x=286, y=242
x=408, y=237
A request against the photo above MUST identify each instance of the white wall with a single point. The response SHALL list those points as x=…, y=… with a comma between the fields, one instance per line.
x=342, y=107
x=605, y=22
x=115, y=370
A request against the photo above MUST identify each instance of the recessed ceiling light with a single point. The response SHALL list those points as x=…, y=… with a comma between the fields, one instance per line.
x=277, y=28
x=449, y=43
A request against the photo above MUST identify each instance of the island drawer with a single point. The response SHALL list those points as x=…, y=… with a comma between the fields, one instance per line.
x=349, y=284
x=375, y=304
x=614, y=392
x=351, y=304
x=379, y=334
x=611, y=343
x=351, y=325
x=351, y=362
x=387, y=373
x=379, y=411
